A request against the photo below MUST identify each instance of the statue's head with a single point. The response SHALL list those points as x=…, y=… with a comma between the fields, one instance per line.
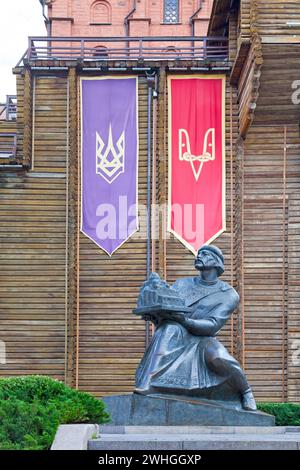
x=210, y=257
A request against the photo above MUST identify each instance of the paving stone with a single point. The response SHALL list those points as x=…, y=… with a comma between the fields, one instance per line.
x=74, y=436
x=134, y=445
x=239, y=445
x=198, y=438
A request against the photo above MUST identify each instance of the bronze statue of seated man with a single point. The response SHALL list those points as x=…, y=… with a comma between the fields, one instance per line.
x=184, y=357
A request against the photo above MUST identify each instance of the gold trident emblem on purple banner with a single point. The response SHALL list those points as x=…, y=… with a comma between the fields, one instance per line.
x=110, y=161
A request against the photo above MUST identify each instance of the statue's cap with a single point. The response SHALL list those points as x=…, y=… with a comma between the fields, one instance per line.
x=214, y=249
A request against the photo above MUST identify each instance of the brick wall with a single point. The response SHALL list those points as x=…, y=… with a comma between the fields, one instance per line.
x=106, y=18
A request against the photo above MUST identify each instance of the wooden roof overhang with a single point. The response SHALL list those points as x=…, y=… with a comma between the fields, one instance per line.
x=218, y=26
x=219, y=17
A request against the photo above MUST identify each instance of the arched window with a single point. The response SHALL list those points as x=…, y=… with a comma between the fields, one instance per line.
x=100, y=12
x=171, y=11
x=100, y=52
x=172, y=52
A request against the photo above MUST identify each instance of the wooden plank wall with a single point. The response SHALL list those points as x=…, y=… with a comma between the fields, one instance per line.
x=272, y=161
x=274, y=16
x=267, y=206
x=275, y=106
x=7, y=142
x=264, y=262
x=244, y=23
x=248, y=85
x=49, y=124
x=33, y=244
x=270, y=268
x=280, y=69
x=20, y=115
x=8, y=127
x=261, y=258
x=233, y=34
x=293, y=340
x=293, y=263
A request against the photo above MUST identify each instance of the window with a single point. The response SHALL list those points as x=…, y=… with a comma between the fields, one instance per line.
x=100, y=52
x=171, y=11
x=100, y=13
x=172, y=52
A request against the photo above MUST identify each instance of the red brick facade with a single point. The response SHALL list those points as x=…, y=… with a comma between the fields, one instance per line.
x=126, y=17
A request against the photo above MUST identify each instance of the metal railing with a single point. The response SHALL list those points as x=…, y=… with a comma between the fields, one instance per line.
x=9, y=108
x=8, y=145
x=178, y=48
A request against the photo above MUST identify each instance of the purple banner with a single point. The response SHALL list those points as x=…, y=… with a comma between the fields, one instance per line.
x=109, y=160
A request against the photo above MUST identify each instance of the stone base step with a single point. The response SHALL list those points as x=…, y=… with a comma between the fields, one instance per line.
x=196, y=438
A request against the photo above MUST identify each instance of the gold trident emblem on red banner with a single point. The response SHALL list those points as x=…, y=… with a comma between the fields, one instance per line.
x=208, y=154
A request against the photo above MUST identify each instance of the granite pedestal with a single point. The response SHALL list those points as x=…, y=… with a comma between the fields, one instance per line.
x=155, y=410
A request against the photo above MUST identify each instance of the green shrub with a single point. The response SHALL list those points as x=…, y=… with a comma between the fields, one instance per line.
x=31, y=409
x=286, y=414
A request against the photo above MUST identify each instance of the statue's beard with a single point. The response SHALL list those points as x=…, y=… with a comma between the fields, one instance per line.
x=205, y=265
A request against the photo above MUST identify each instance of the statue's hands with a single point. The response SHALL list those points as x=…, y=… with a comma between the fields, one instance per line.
x=179, y=317
x=146, y=317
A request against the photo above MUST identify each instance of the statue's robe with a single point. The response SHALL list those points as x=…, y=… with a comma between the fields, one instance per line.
x=175, y=358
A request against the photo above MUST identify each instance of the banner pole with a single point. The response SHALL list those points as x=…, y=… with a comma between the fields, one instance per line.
x=154, y=175
x=150, y=82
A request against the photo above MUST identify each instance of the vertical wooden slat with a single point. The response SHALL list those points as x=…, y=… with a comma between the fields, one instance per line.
x=239, y=247
x=264, y=260
x=20, y=116
x=72, y=351
x=243, y=266
x=27, y=116
x=231, y=218
x=78, y=234
x=67, y=240
x=162, y=170
x=33, y=122
x=283, y=319
x=154, y=180
x=33, y=242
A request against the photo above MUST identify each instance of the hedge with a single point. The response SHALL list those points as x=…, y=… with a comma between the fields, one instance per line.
x=286, y=414
x=32, y=408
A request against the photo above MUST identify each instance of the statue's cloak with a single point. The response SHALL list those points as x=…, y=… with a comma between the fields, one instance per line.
x=175, y=358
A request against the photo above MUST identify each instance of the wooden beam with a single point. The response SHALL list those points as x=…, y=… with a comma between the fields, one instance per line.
x=241, y=56
x=27, y=136
x=72, y=223
x=162, y=169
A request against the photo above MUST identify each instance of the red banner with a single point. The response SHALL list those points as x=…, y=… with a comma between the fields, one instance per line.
x=196, y=212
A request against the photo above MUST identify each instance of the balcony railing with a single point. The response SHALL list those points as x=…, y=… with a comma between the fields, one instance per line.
x=8, y=110
x=178, y=48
